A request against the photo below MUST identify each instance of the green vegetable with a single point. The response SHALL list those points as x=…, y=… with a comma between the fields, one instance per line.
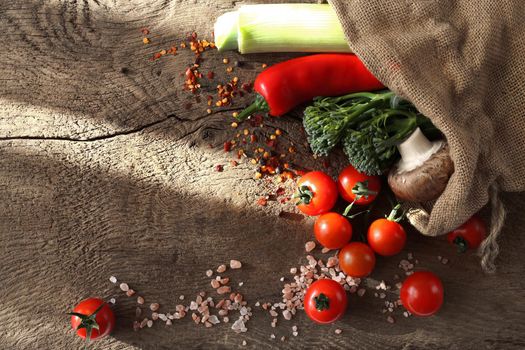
x=368, y=125
x=281, y=28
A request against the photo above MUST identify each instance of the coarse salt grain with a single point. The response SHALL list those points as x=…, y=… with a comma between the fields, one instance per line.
x=221, y=268
x=113, y=279
x=124, y=287
x=209, y=273
x=309, y=246
x=235, y=264
x=338, y=331
x=140, y=300
x=154, y=306
x=112, y=300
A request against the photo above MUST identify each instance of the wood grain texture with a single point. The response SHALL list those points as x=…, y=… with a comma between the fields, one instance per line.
x=104, y=171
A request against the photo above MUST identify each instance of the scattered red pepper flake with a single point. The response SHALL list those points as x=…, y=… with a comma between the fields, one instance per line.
x=280, y=191
x=227, y=146
x=145, y=31
x=233, y=163
x=219, y=168
x=263, y=201
x=210, y=75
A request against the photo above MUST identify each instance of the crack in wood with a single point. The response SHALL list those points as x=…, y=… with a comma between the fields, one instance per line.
x=118, y=133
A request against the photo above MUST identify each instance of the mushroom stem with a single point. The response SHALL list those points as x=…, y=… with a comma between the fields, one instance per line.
x=415, y=150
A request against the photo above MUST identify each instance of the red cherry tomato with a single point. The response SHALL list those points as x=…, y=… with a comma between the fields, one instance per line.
x=469, y=235
x=422, y=293
x=356, y=259
x=358, y=187
x=317, y=193
x=325, y=301
x=92, y=312
x=386, y=236
x=332, y=230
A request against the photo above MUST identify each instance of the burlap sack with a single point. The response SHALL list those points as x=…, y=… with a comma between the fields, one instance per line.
x=462, y=64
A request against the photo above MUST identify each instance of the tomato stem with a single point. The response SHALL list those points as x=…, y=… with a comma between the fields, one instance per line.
x=461, y=243
x=259, y=105
x=322, y=302
x=361, y=190
x=304, y=194
x=393, y=214
x=88, y=322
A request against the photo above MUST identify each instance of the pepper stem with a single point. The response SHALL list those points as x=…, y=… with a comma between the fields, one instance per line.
x=304, y=194
x=259, y=105
x=461, y=244
x=322, y=302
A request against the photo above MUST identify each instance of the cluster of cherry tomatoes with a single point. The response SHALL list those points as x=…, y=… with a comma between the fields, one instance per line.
x=326, y=300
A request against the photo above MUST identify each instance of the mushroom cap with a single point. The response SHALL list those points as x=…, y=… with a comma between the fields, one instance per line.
x=426, y=182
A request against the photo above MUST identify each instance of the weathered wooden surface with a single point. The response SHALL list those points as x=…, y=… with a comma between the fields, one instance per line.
x=103, y=171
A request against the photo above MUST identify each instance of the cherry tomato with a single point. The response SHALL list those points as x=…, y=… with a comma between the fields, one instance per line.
x=358, y=187
x=422, y=293
x=89, y=313
x=332, y=230
x=325, y=301
x=317, y=193
x=356, y=259
x=386, y=236
x=469, y=235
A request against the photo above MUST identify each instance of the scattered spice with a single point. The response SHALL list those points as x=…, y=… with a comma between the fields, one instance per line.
x=263, y=201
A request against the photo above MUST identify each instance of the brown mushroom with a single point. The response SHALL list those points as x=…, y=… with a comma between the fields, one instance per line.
x=423, y=171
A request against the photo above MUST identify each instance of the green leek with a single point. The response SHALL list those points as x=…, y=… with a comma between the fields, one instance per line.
x=281, y=28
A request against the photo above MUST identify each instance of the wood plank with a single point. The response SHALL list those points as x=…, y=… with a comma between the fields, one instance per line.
x=104, y=171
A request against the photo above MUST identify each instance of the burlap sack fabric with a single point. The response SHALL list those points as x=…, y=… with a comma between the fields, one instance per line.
x=462, y=63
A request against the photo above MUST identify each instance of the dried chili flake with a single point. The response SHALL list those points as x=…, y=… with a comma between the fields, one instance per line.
x=210, y=75
x=219, y=168
x=263, y=201
x=145, y=31
x=280, y=191
x=227, y=146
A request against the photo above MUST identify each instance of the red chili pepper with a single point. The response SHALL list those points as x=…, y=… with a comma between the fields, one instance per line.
x=288, y=84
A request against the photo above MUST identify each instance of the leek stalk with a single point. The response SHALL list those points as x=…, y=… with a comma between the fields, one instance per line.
x=281, y=28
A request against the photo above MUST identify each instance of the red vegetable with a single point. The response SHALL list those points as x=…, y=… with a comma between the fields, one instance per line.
x=92, y=319
x=469, y=235
x=332, y=230
x=356, y=259
x=422, y=293
x=288, y=84
x=386, y=236
x=317, y=193
x=325, y=301
x=357, y=187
